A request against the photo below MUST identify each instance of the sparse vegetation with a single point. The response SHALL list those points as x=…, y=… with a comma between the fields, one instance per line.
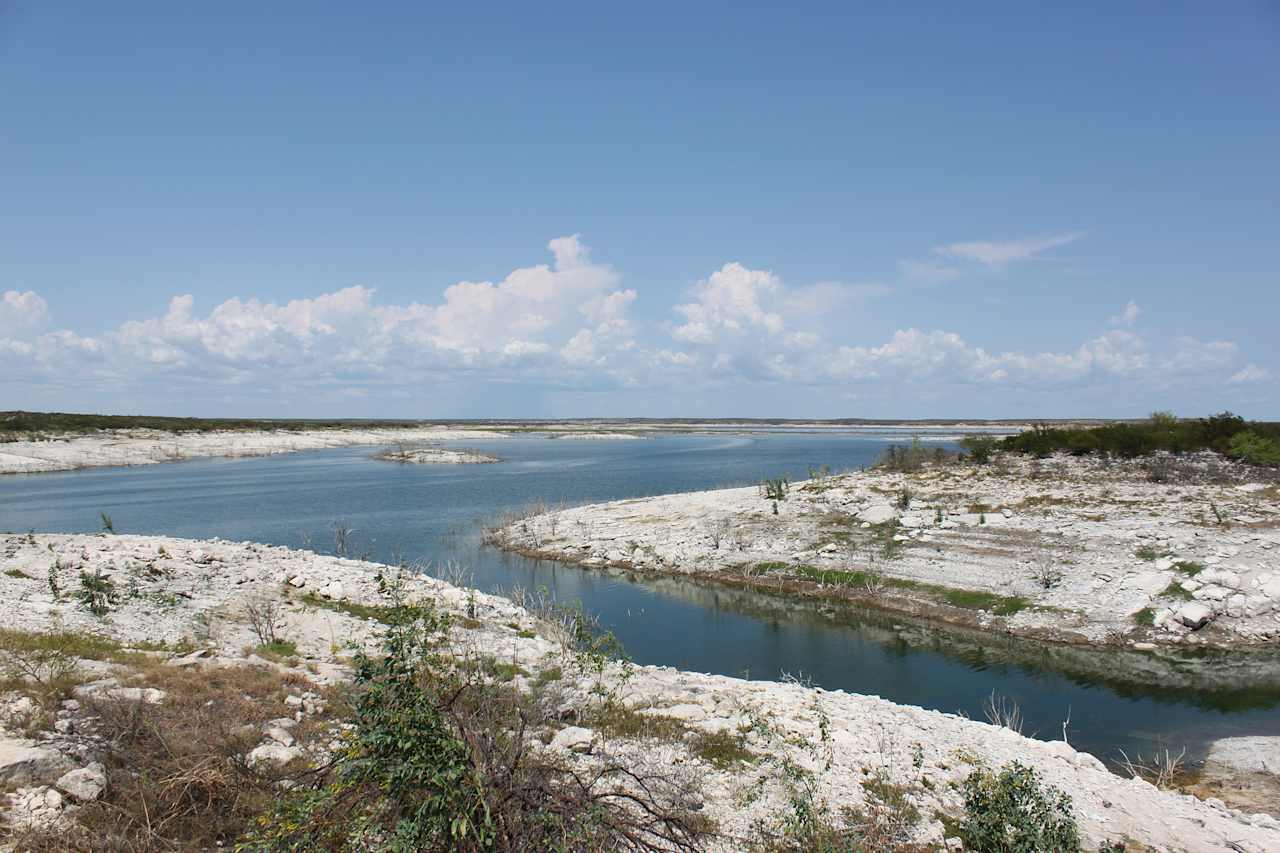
x=436, y=760
x=775, y=490
x=97, y=593
x=265, y=619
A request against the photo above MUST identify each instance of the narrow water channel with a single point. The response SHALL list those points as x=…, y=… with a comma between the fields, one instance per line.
x=1115, y=700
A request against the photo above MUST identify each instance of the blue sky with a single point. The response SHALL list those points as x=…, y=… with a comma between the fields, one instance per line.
x=930, y=210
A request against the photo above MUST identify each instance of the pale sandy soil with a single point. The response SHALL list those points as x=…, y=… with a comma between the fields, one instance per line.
x=173, y=589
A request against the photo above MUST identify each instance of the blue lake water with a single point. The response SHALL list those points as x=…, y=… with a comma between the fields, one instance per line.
x=435, y=513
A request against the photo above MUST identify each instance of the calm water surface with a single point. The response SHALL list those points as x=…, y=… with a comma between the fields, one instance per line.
x=434, y=513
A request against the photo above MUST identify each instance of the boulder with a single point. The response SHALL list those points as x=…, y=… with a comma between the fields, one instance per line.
x=85, y=784
x=878, y=514
x=1194, y=615
x=280, y=735
x=272, y=753
x=22, y=762
x=333, y=590
x=574, y=739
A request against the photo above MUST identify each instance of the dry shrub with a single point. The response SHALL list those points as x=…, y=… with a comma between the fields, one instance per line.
x=177, y=778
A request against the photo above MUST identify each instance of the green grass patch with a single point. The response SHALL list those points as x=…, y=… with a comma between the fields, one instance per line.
x=628, y=724
x=548, y=675
x=279, y=651
x=1189, y=568
x=1146, y=552
x=1173, y=590
x=376, y=612
x=723, y=749
x=17, y=573
x=1145, y=616
x=972, y=599
x=70, y=643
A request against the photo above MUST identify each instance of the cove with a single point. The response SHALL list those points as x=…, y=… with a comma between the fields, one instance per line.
x=434, y=514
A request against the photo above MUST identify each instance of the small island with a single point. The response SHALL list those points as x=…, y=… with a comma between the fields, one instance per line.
x=436, y=456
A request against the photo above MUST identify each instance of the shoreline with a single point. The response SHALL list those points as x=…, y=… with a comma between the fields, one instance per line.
x=1068, y=550
x=195, y=591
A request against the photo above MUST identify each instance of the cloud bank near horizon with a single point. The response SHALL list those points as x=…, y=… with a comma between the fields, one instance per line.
x=568, y=326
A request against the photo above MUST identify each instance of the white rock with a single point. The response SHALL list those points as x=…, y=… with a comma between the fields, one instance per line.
x=1221, y=577
x=85, y=784
x=1194, y=615
x=333, y=590
x=878, y=514
x=22, y=762
x=272, y=753
x=52, y=799
x=574, y=738
x=280, y=735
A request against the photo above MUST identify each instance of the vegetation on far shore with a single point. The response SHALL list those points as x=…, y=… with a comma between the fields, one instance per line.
x=17, y=423
x=1254, y=442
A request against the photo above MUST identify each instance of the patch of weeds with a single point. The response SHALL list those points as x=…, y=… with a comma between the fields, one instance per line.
x=17, y=573
x=277, y=651
x=973, y=599
x=97, y=592
x=1145, y=616
x=1189, y=568
x=771, y=566
x=1149, y=554
x=526, y=634
x=721, y=749
x=376, y=612
x=626, y=723
x=548, y=675
x=1174, y=590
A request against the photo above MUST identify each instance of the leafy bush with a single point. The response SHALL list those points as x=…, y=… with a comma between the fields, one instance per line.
x=1011, y=812
x=979, y=448
x=1255, y=449
x=97, y=592
x=437, y=759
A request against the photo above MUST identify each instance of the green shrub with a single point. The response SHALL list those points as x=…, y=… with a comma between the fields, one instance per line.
x=1162, y=432
x=979, y=448
x=1011, y=812
x=1253, y=448
x=436, y=759
x=97, y=592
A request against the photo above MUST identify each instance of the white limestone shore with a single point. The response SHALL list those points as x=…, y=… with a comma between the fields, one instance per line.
x=146, y=447
x=1068, y=549
x=175, y=589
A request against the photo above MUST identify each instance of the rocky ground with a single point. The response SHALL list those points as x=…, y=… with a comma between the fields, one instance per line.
x=1171, y=551
x=188, y=605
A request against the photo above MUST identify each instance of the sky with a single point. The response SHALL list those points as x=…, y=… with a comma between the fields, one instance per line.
x=669, y=209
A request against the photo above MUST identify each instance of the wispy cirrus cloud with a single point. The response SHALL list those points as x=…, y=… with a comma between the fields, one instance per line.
x=999, y=253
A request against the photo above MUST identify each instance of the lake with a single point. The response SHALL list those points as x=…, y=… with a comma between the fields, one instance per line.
x=434, y=514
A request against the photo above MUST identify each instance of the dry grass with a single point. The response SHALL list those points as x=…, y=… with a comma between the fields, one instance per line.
x=177, y=777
